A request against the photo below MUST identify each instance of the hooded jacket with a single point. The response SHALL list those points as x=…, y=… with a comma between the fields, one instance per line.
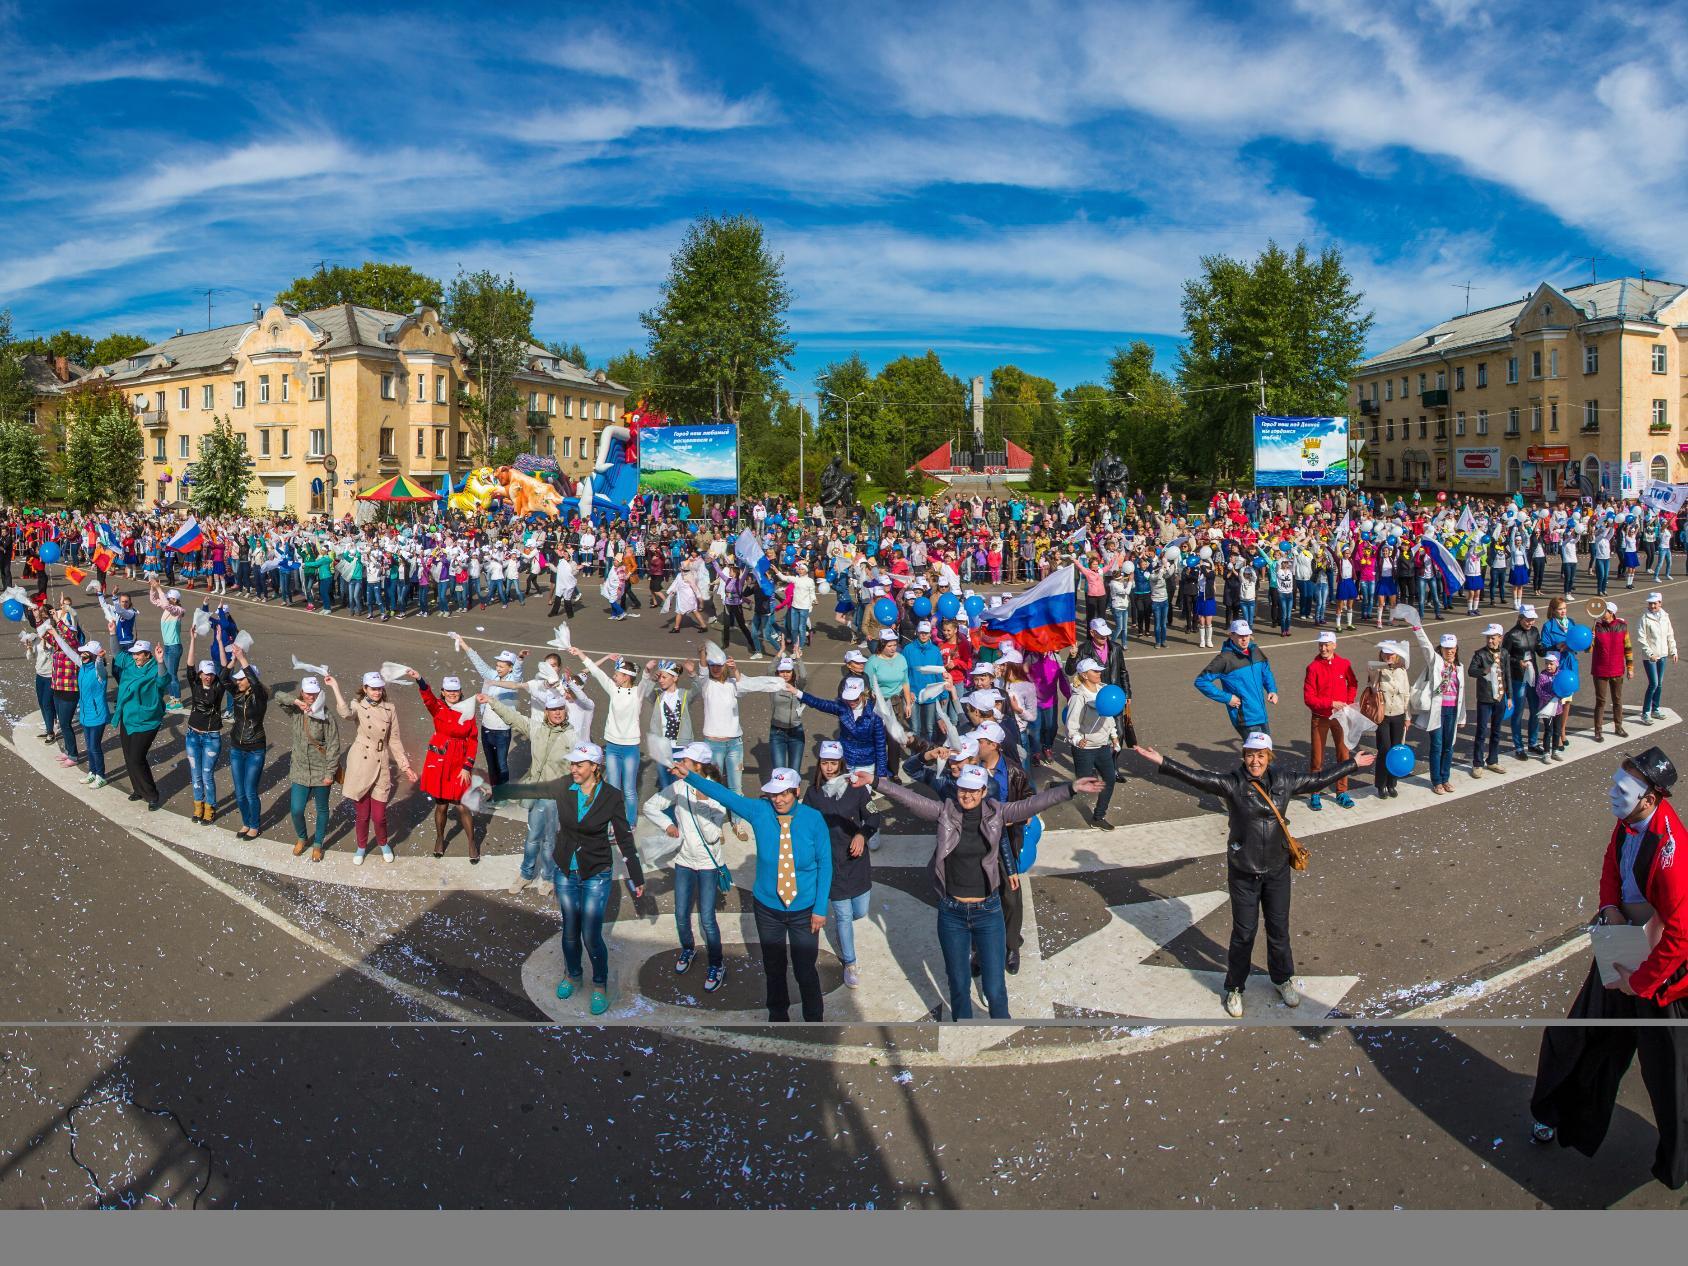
x=1245, y=674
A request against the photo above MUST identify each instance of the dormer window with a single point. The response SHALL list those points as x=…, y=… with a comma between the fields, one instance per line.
x=1547, y=311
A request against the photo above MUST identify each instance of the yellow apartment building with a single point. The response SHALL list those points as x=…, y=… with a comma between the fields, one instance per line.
x=334, y=399
x=1559, y=394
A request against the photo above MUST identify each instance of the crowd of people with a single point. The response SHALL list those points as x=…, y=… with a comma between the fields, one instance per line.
x=938, y=691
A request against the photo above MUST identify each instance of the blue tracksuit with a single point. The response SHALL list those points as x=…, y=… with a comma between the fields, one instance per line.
x=1245, y=674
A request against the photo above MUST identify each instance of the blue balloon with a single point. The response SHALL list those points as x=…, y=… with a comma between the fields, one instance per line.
x=49, y=552
x=949, y=606
x=1110, y=701
x=885, y=611
x=13, y=609
x=922, y=607
x=1566, y=680
x=975, y=606
x=1028, y=844
x=1399, y=760
x=1579, y=637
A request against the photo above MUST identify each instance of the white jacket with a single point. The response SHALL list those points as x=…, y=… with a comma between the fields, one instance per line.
x=699, y=819
x=1426, y=698
x=626, y=702
x=1655, y=635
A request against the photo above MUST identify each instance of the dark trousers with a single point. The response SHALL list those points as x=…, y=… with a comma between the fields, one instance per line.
x=730, y=616
x=783, y=934
x=135, y=748
x=1098, y=761
x=1014, y=912
x=1485, y=744
x=1390, y=732
x=1580, y=1069
x=1249, y=895
x=495, y=744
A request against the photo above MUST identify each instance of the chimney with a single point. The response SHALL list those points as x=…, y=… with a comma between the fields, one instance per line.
x=257, y=310
x=178, y=331
x=61, y=369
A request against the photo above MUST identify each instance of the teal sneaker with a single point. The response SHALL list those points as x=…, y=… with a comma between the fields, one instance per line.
x=1345, y=800
x=566, y=987
x=600, y=1002
x=1314, y=803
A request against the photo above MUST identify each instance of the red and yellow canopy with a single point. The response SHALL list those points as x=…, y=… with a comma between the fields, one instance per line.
x=398, y=488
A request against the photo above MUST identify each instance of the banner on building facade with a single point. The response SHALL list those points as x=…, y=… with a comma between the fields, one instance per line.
x=687, y=459
x=1479, y=464
x=1299, y=451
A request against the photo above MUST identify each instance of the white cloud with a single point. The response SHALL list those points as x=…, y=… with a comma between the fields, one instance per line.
x=259, y=163
x=76, y=257
x=655, y=101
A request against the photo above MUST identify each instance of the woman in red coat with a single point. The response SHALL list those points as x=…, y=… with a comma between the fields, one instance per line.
x=450, y=759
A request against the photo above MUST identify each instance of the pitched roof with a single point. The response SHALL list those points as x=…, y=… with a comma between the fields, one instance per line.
x=43, y=380
x=1630, y=298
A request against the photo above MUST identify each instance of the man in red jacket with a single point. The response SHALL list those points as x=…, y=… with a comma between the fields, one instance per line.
x=1644, y=881
x=1330, y=681
x=1612, y=660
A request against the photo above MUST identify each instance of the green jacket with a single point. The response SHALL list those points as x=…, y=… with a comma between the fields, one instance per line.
x=316, y=743
x=551, y=744
x=140, y=694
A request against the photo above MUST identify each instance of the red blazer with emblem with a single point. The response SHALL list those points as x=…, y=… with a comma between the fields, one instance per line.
x=451, y=750
x=1663, y=975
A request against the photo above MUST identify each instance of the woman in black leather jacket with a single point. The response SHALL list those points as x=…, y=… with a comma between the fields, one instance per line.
x=1258, y=854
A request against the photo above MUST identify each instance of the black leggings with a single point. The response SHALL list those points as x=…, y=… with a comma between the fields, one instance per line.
x=731, y=615
x=1390, y=732
x=135, y=747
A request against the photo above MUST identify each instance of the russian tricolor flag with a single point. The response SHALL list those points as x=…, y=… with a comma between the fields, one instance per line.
x=1453, y=575
x=188, y=537
x=1045, y=617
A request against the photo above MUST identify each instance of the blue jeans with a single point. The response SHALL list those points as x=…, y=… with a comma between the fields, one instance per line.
x=1602, y=569
x=1121, y=618
x=246, y=767
x=44, y=701
x=1286, y=609
x=1524, y=695
x=1321, y=599
x=1429, y=596
x=64, y=713
x=844, y=916
x=1368, y=594
x=621, y=768
x=964, y=926
x=925, y=721
x=301, y=795
x=1247, y=610
x=729, y=759
x=1161, y=610
x=697, y=887
x=582, y=903
x=1661, y=565
x=496, y=745
x=541, y=838
x=1652, y=698
x=1568, y=574
x=203, y=751
x=325, y=593
x=1043, y=730
x=1442, y=747
x=173, y=666
x=785, y=748
x=93, y=736
x=799, y=622
x=443, y=593
x=762, y=633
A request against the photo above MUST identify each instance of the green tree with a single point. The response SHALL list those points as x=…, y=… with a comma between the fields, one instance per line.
x=67, y=343
x=495, y=316
x=720, y=331
x=1020, y=409
x=632, y=370
x=849, y=411
x=1294, y=318
x=919, y=407
x=572, y=352
x=120, y=449
x=23, y=464
x=16, y=393
x=389, y=287
x=116, y=347
x=1149, y=413
x=104, y=447
x=79, y=464
x=221, y=477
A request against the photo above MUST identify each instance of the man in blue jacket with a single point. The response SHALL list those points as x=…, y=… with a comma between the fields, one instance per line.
x=1240, y=678
x=923, y=653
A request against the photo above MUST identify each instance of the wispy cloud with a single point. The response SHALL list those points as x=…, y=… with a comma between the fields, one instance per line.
x=654, y=102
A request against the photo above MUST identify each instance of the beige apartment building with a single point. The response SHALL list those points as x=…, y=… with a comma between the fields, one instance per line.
x=1558, y=394
x=340, y=398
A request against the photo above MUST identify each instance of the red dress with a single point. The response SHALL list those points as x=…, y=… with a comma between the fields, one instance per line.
x=451, y=751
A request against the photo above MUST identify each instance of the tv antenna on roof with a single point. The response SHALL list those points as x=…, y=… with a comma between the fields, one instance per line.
x=1593, y=275
x=208, y=292
x=1468, y=288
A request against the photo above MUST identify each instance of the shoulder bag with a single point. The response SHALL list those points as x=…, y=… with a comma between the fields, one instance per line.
x=723, y=876
x=1295, y=848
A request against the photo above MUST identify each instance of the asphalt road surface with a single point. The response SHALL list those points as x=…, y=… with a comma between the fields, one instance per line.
x=118, y=929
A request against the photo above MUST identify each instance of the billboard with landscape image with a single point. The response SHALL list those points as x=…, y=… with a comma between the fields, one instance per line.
x=686, y=459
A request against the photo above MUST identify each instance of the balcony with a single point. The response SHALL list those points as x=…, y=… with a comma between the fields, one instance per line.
x=1435, y=398
x=1368, y=408
x=152, y=419
x=538, y=419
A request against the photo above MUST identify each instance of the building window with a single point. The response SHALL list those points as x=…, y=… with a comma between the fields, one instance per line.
x=1389, y=475
x=568, y=406
x=421, y=388
x=1483, y=421
x=386, y=386
x=287, y=443
x=181, y=397
x=1424, y=429
x=319, y=441
x=1591, y=359
x=263, y=443
x=613, y=408
x=1535, y=417
x=1511, y=369
x=158, y=448
x=207, y=397
x=1374, y=393
x=1391, y=422
x=387, y=442
x=1660, y=420
x=1591, y=415
x=1459, y=378
x=1658, y=358
x=240, y=395
x=550, y=446
x=598, y=411
x=463, y=443
x=1403, y=386
x=1535, y=364
x=263, y=388
x=421, y=443
x=533, y=402
x=1660, y=468
x=1459, y=423
x=566, y=440
x=551, y=404
x=439, y=388
x=1553, y=417
x=319, y=386
x=1482, y=373
x=439, y=441
x=319, y=501
x=182, y=449
x=1421, y=384
x=1553, y=363
x=1388, y=388
x=1512, y=421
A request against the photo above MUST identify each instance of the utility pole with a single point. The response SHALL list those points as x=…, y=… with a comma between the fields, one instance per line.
x=802, y=426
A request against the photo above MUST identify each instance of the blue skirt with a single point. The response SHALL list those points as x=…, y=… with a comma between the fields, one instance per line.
x=1206, y=606
x=1631, y=558
x=1520, y=575
x=1474, y=584
x=1347, y=590
x=1387, y=588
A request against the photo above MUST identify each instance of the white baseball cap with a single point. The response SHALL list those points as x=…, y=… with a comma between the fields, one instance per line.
x=551, y=701
x=1241, y=628
x=1257, y=742
x=714, y=654
x=238, y=674
x=925, y=626
x=90, y=648
x=1447, y=640
x=451, y=683
x=310, y=686
x=208, y=668
x=780, y=780
x=700, y=752
x=375, y=681
x=1011, y=655
x=852, y=689
x=966, y=748
x=1387, y=647
x=509, y=657
x=786, y=665
x=853, y=656
x=888, y=635
x=1612, y=607
x=984, y=700
x=587, y=752
x=1527, y=611
x=831, y=749
x=989, y=730
x=982, y=669
x=1655, y=596
x=996, y=600
x=1088, y=665
x=1493, y=630
x=1101, y=626
x=173, y=595
x=972, y=778
x=1326, y=637
x=142, y=647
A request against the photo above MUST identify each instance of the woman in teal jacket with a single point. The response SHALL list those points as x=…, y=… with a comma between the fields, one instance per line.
x=92, y=710
x=140, y=711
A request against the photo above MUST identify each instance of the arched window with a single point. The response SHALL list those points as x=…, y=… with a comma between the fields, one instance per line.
x=1659, y=468
x=1514, y=474
x=1591, y=474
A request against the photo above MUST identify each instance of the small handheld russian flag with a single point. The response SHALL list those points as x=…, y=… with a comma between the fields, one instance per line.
x=187, y=538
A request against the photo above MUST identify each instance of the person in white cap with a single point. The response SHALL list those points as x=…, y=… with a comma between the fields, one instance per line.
x=550, y=740
x=1438, y=703
x=924, y=662
x=1109, y=655
x=861, y=730
x=314, y=763
x=627, y=691
x=851, y=827
x=723, y=729
x=1658, y=642
x=791, y=896
x=93, y=712
x=1487, y=670
x=140, y=711
x=669, y=724
x=374, y=751
x=1094, y=738
x=449, y=764
x=701, y=877
x=170, y=613
x=1522, y=649
x=502, y=680
x=1261, y=854
x=785, y=724
x=1388, y=679
x=970, y=867
x=1329, y=683
x=1610, y=661
x=204, y=737
x=590, y=813
x=1241, y=678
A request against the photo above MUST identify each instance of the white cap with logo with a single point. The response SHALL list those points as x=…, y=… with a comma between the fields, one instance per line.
x=780, y=780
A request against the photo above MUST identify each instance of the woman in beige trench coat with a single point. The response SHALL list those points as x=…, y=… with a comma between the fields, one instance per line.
x=370, y=759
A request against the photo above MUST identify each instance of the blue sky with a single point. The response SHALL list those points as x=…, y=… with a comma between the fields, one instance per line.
x=1006, y=183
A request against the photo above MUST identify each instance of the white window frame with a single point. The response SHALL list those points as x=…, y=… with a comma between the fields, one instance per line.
x=263, y=388
x=184, y=449
x=1388, y=388
x=1591, y=415
x=286, y=442
x=264, y=442
x=1661, y=359
x=1511, y=370
x=286, y=388
x=1483, y=373
x=319, y=441
x=1535, y=418
x=1591, y=358
x=386, y=386
x=182, y=399
x=207, y=397
x=1535, y=363
x=240, y=394
x=319, y=386
x=1482, y=421
x=439, y=389
x=1553, y=362
x=421, y=443
x=1661, y=413
x=1459, y=423
x=421, y=388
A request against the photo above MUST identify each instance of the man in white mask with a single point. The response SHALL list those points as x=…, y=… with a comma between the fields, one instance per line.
x=1644, y=882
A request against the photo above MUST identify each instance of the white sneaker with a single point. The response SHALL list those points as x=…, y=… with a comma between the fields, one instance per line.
x=1287, y=992
x=517, y=887
x=852, y=977
x=357, y=858
x=386, y=853
x=1234, y=1004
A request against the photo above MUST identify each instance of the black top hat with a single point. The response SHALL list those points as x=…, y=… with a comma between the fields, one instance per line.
x=1656, y=768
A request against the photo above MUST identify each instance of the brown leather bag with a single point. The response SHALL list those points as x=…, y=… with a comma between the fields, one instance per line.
x=1371, y=705
x=1297, y=850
